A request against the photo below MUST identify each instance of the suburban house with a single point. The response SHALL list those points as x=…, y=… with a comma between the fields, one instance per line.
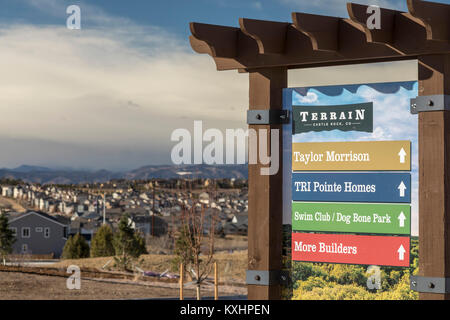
x=237, y=225
x=143, y=224
x=85, y=227
x=38, y=233
x=7, y=191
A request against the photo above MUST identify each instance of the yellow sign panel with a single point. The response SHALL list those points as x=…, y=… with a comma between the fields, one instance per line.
x=352, y=156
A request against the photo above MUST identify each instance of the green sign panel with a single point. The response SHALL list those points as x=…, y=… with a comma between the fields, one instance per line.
x=349, y=117
x=351, y=217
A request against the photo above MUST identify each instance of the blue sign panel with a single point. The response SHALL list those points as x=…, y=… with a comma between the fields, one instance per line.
x=352, y=187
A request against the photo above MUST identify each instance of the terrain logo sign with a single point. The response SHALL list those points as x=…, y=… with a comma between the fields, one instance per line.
x=349, y=117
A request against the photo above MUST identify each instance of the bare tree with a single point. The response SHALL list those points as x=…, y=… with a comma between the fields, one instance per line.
x=197, y=238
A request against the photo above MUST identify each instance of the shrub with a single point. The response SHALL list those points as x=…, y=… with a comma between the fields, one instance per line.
x=76, y=247
x=102, y=243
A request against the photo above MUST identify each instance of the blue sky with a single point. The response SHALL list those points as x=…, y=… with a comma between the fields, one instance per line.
x=174, y=15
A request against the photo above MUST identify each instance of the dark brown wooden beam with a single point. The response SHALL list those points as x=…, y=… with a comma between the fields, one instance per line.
x=323, y=31
x=403, y=32
x=221, y=40
x=265, y=225
x=200, y=46
x=435, y=17
x=411, y=37
x=434, y=175
x=314, y=41
x=353, y=43
x=270, y=36
x=358, y=14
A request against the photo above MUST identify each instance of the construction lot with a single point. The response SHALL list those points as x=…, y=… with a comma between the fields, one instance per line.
x=48, y=282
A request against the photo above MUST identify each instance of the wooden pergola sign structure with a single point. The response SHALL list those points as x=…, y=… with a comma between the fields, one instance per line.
x=267, y=49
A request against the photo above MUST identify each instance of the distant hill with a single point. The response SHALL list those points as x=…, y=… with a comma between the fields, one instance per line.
x=25, y=168
x=198, y=171
x=58, y=176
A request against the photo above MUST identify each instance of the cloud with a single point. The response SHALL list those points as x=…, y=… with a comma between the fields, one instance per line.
x=111, y=87
x=378, y=134
x=310, y=97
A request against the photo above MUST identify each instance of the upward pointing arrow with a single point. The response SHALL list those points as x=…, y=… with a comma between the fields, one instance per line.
x=402, y=219
x=402, y=189
x=402, y=155
x=401, y=253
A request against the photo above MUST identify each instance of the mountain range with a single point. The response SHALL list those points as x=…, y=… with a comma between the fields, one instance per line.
x=43, y=175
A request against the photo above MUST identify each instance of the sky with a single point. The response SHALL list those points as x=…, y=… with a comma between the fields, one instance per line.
x=108, y=96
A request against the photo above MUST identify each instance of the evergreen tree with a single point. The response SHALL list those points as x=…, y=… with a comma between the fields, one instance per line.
x=81, y=246
x=102, y=244
x=127, y=241
x=128, y=244
x=139, y=246
x=68, y=249
x=76, y=247
x=6, y=238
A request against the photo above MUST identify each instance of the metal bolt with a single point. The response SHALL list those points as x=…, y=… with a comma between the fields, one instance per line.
x=414, y=283
x=414, y=106
x=431, y=285
x=258, y=116
x=430, y=103
x=257, y=278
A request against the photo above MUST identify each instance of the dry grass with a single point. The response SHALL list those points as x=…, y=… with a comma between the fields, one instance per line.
x=15, y=285
x=158, y=245
x=231, y=242
x=232, y=266
x=11, y=204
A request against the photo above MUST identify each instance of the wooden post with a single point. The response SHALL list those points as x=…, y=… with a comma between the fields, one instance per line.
x=216, y=282
x=181, y=281
x=434, y=174
x=264, y=195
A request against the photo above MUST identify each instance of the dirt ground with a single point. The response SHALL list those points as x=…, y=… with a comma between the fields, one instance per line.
x=232, y=266
x=29, y=286
x=19, y=286
x=10, y=203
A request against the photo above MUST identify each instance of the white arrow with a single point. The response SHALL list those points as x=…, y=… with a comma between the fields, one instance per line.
x=402, y=155
x=402, y=189
x=402, y=219
x=401, y=253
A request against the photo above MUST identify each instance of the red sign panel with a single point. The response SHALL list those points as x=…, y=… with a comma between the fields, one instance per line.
x=351, y=249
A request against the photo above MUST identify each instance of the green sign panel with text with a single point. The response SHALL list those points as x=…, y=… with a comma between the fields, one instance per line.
x=352, y=217
x=350, y=117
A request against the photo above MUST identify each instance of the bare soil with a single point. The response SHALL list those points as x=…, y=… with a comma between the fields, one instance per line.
x=21, y=286
x=48, y=282
x=232, y=266
x=10, y=203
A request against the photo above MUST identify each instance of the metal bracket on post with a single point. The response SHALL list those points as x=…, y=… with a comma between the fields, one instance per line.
x=430, y=284
x=267, y=278
x=267, y=116
x=439, y=102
